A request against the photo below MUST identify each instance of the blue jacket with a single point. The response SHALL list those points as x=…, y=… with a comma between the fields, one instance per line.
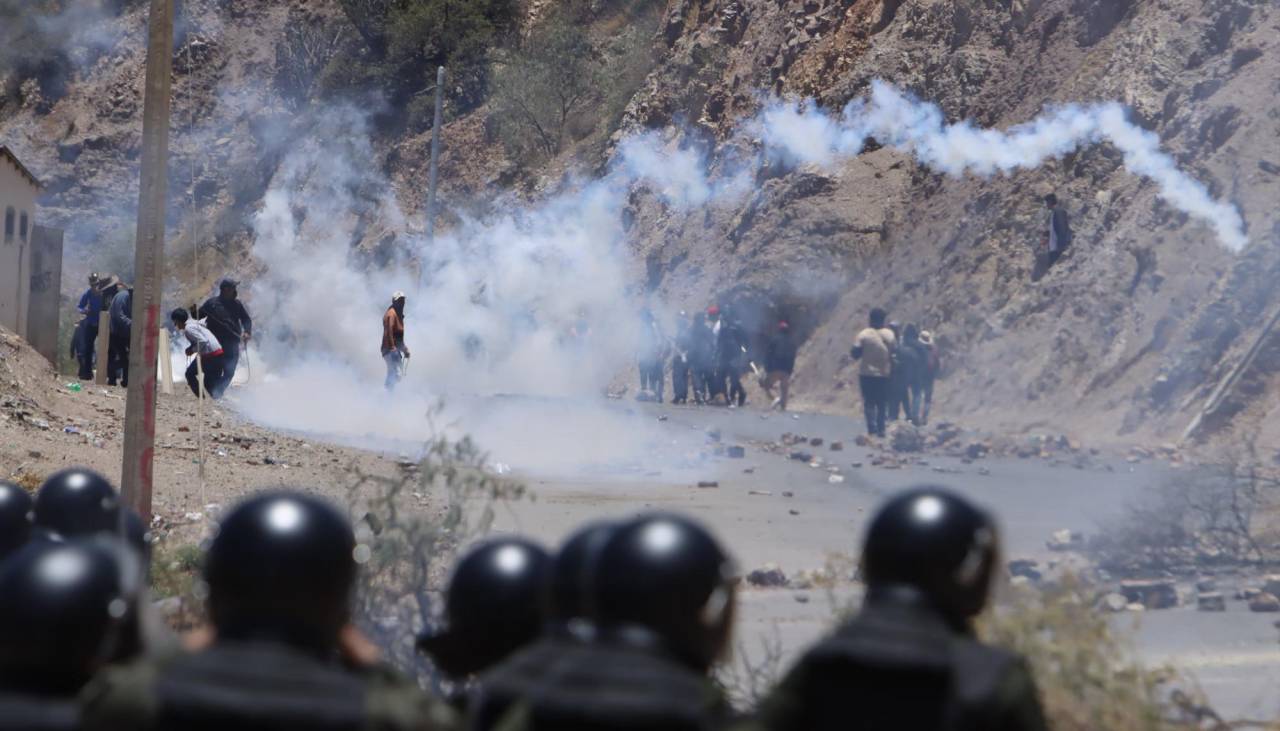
x=91, y=304
x=122, y=314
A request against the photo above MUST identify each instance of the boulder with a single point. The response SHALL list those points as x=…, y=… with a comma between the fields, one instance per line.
x=736, y=452
x=1211, y=601
x=1264, y=602
x=905, y=437
x=1025, y=567
x=1151, y=594
x=768, y=575
x=1271, y=584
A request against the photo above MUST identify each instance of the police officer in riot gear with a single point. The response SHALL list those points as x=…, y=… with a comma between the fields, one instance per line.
x=910, y=659
x=60, y=605
x=15, y=518
x=662, y=591
x=77, y=502
x=493, y=607
x=279, y=576
x=567, y=628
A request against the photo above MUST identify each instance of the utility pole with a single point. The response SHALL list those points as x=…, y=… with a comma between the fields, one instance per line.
x=140, y=406
x=435, y=157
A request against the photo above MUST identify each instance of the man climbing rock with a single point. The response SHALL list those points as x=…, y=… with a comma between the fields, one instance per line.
x=394, y=351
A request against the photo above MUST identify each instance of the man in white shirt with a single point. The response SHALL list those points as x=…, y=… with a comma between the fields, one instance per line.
x=210, y=357
x=874, y=348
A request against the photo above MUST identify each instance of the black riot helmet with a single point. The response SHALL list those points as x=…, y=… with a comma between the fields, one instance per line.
x=666, y=574
x=938, y=542
x=568, y=597
x=282, y=567
x=15, y=518
x=493, y=607
x=77, y=502
x=60, y=604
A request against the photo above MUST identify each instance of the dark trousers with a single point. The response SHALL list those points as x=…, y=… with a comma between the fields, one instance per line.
x=214, y=368
x=679, y=380
x=702, y=379
x=84, y=351
x=875, y=402
x=924, y=408
x=736, y=391
x=652, y=376
x=118, y=360
x=899, y=400
x=230, y=359
x=914, y=403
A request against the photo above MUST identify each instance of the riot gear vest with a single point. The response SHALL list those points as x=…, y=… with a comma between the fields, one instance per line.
x=252, y=687
x=24, y=712
x=899, y=665
x=617, y=685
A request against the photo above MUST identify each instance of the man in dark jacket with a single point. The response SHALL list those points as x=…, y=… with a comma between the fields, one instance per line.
x=121, y=328
x=909, y=659
x=1057, y=235
x=731, y=351
x=652, y=357
x=86, y=336
x=680, y=361
x=230, y=323
x=779, y=361
x=905, y=364
x=915, y=362
x=702, y=356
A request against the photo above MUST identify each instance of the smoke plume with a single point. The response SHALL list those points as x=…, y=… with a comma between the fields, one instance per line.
x=538, y=300
x=807, y=135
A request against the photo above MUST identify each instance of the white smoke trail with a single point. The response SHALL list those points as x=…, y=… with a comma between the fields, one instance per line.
x=807, y=135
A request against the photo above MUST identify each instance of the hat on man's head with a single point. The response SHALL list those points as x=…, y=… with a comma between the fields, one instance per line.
x=926, y=337
x=228, y=283
x=397, y=295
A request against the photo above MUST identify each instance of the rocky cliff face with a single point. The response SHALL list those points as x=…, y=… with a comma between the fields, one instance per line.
x=1126, y=337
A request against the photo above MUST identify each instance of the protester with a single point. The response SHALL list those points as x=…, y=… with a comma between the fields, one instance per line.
x=932, y=366
x=225, y=316
x=57, y=624
x=902, y=366
x=680, y=370
x=716, y=385
x=210, y=358
x=912, y=360
x=282, y=655
x=92, y=304
x=731, y=352
x=493, y=608
x=394, y=350
x=873, y=347
x=1057, y=236
x=652, y=355
x=121, y=310
x=663, y=593
x=702, y=356
x=909, y=659
x=779, y=362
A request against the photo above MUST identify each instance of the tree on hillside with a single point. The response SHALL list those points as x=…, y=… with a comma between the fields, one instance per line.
x=540, y=87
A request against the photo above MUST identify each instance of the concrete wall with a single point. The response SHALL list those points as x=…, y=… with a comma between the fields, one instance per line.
x=45, y=302
x=17, y=203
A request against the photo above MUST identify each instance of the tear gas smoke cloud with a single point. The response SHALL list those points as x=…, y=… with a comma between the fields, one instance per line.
x=807, y=135
x=533, y=300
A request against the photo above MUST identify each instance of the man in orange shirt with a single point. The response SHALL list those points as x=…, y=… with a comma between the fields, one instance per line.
x=394, y=351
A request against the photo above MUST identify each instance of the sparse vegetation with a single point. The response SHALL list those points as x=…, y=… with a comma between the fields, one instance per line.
x=1208, y=516
x=409, y=543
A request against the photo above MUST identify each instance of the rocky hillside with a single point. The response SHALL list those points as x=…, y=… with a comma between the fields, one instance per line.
x=1129, y=334
x=1126, y=338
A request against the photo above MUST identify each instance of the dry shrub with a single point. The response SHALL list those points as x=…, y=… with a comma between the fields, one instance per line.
x=409, y=529
x=1088, y=676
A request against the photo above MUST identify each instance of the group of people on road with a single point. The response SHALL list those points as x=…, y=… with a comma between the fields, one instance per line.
x=216, y=332
x=897, y=369
x=710, y=353
x=620, y=628
x=106, y=293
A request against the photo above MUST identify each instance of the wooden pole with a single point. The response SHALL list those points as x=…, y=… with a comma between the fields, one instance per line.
x=165, y=363
x=102, y=348
x=435, y=156
x=140, y=406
